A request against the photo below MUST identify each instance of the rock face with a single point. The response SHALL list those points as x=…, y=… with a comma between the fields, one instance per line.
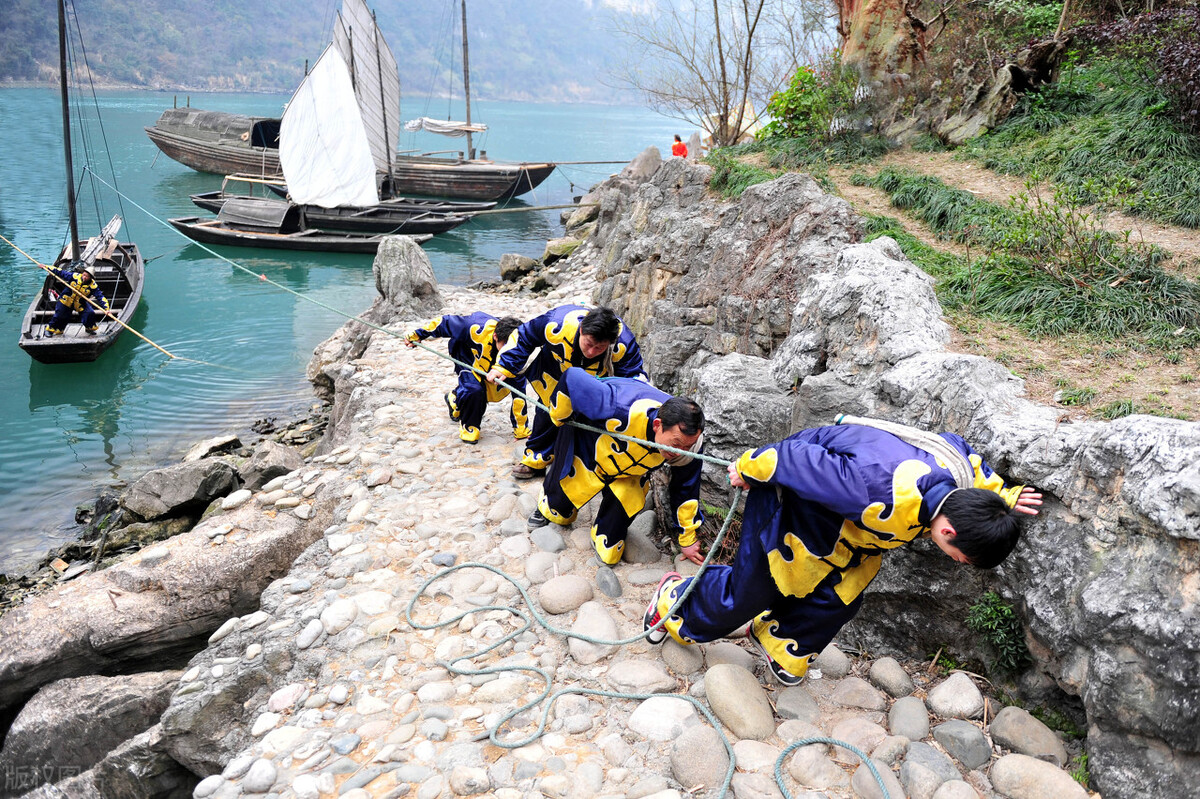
x=97, y=714
x=722, y=293
x=179, y=489
x=153, y=608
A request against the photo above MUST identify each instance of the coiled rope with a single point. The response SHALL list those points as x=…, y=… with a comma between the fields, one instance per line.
x=449, y=665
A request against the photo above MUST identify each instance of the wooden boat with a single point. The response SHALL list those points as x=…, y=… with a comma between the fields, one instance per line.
x=118, y=271
x=212, y=141
x=117, y=267
x=272, y=224
x=382, y=218
x=465, y=176
x=217, y=142
x=438, y=206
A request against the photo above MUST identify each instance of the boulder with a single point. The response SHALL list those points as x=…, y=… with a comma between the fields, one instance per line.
x=146, y=611
x=643, y=166
x=270, y=460
x=179, y=489
x=137, y=769
x=80, y=720
x=209, y=446
x=514, y=267
x=557, y=249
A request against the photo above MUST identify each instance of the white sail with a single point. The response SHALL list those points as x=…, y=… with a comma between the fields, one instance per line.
x=323, y=148
x=375, y=77
x=443, y=127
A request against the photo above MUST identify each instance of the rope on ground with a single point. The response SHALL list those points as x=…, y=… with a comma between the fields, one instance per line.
x=449, y=665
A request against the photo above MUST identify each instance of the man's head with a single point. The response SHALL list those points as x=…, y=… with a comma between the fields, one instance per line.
x=976, y=526
x=85, y=272
x=678, y=424
x=597, y=331
x=505, y=325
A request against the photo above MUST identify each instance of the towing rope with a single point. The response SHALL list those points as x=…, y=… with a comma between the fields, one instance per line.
x=449, y=665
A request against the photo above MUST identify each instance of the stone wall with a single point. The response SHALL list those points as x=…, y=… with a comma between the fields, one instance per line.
x=772, y=314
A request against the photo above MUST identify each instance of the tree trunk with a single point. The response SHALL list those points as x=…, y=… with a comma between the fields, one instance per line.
x=883, y=39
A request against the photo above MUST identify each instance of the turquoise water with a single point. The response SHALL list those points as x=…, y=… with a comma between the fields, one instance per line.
x=68, y=430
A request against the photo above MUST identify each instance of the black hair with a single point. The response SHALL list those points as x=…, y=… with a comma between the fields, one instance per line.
x=677, y=137
x=601, y=324
x=505, y=325
x=682, y=413
x=986, y=529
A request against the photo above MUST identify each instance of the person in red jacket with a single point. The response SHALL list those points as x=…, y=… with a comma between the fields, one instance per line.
x=679, y=148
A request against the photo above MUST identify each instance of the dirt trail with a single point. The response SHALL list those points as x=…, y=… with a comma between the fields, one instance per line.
x=1182, y=243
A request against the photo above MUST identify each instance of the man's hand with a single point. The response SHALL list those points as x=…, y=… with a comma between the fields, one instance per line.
x=495, y=375
x=1028, y=502
x=410, y=343
x=692, y=553
x=737, y=481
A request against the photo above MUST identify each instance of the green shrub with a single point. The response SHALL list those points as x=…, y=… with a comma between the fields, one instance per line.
x=997, y=623
x=814, y=97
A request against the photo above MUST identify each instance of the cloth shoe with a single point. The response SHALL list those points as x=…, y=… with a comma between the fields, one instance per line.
x=51, y=332
x=91, y=331
x=781, y=675
x=523, y=472
x=469, y=435
x=652, y=615
x=536, y=520
x=521, y=433
x=450, y=406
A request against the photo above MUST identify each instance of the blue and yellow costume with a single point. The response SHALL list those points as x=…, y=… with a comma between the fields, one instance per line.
x=588, y=463
x=556, y=332
x=70, y=301
x=472, y=340
x=823, y=506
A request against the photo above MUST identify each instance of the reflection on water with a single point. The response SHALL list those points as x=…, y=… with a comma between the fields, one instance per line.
x=66, y=430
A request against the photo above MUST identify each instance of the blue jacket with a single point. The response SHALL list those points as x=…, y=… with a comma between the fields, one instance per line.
x=472, y=340
x=844, y=494
x=556, y=332
x=626, y=406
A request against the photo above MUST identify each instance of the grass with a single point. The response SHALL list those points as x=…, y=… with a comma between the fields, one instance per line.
x=1047, y=266
x=1105, y=132
x=732, y=176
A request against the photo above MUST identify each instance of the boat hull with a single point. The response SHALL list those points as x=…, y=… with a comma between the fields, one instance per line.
x=389, y=218
x=120, y=277
x=211, y=231
x=217, y=142
x=469, y=180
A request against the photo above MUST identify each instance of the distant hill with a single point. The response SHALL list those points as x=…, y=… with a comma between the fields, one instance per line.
x=548, y=50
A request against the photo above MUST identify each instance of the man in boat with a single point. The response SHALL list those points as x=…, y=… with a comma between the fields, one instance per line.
x=679, y=149
x=587, y=463
x=74, y=290
x=823, y=506
x=475, y=339
x=594, y=339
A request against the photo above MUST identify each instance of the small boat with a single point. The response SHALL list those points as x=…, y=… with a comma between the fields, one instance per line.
x=116, y=267
x=273, y=224
x=279, y=189
x=214, y=141
x=397, y=219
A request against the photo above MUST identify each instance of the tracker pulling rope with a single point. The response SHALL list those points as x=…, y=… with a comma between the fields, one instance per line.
x=498, y=669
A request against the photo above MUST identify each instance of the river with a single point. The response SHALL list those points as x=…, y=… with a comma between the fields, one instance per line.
x=67, y=431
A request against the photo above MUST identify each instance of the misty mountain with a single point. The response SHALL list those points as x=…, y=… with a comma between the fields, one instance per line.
x=546, y=50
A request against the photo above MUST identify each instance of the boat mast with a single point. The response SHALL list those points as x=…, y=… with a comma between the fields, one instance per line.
x=66, y=121
x=467, y=80
x=387, y=137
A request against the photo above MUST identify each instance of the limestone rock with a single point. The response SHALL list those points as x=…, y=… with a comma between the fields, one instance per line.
x=593, y=620
x=891, y=677
x=202, y=449
x=514, y=266
x=956, y=697
x=564, y=593
x=178, y=489
x=82, y=719
x=644, y=165
x=270, y=460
